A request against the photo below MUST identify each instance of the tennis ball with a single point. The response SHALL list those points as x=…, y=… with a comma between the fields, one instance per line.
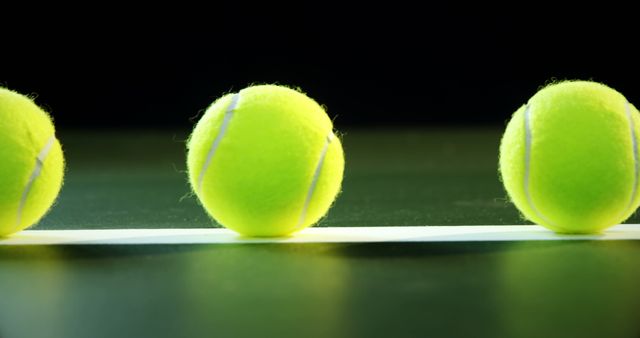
x=32, y=164
x=265, y=161
x=569, y=157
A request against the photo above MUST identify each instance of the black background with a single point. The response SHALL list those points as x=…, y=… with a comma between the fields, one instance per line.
x=371, y=66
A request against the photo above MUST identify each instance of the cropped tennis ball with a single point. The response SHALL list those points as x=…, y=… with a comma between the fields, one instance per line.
x=569, y=157
x=32, y=164
x=265, y=161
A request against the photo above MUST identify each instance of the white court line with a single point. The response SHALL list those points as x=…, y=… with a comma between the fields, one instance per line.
x=480, y=233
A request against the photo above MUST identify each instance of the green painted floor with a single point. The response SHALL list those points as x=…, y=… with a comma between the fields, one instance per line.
x=393, y=178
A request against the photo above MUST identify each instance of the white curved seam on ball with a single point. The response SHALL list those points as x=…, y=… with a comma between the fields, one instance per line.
x=527, y=162
x=636, y=169
x=314, y=180
x=42, y=156
x=228, y=114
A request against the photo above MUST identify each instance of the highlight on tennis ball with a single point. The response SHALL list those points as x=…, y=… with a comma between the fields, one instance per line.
x=569, y=157
x=32, y=165
x=265, y=161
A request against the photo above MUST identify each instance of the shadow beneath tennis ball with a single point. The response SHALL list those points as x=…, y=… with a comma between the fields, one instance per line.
x=86, y=252
x=419, y=249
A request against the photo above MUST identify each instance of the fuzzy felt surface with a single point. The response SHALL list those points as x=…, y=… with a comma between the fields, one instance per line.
x=258, y=180
x=577, y=174
x=24, y=132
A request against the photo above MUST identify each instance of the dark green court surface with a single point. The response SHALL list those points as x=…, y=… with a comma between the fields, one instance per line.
x=393, y=178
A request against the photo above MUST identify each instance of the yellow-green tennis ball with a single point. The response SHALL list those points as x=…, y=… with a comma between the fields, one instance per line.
x=32, y=164
x=569, y=157
x=265, y=161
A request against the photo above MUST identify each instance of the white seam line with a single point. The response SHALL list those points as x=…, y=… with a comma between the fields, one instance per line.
x=634, y=142
x=42, y=156
x=216, y=142
x=527, y=162
x=314, y=181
